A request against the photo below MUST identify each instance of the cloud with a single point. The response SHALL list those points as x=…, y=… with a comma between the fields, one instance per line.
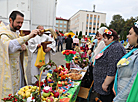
x=126, y=8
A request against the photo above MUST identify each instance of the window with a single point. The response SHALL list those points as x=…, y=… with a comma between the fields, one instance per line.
x=64, y=26
x=86, y=27
x=94, y=18
x=56, y=21
x=90, y=18
x=90, y=27
x=98, y=19
x=60, y=25
x=97, y=23
x=61, y=21
x=60, y=29
x=90, y=23
x=56, y=25
x=93, y=28
x=87, y=23
x=65, y=22
x=94, y=23
x=87, y=17
x=64, y=29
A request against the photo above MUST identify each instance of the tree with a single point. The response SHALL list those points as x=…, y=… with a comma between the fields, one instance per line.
x=76, y=32
x=80, y=35
x=127, y=25
x=117, y=23
x=104, y=25
x=61, y=31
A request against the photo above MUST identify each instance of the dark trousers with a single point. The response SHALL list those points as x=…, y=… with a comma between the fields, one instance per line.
x=60, y=43
x=107, y=98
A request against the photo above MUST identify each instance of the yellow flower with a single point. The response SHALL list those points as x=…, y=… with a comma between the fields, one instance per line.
x=122, y=61
x=63, y=51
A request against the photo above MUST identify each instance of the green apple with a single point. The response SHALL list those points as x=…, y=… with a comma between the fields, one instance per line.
x=46, y=94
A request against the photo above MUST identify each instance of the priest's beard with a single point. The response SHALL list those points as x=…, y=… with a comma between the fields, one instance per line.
x=16, y=27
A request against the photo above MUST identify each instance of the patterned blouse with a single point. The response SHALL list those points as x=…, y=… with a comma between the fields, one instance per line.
x=106, y=65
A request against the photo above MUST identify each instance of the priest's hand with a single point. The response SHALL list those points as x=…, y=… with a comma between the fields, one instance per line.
x=34, y=33
x=47, y=49
x=23, y=47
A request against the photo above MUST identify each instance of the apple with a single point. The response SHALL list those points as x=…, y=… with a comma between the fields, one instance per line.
x=56, y=94
x=60, y=91
x=55, y=70
x=63, y=82
x=66, y=83
x=59, y=82
x=46, y=94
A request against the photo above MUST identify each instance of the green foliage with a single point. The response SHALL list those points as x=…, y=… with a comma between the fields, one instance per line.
x=80, y=35
x=117, y=23
x=71, y=31
x=121, y=26
x=61, y=31
x=76, y=32
x=103, y=25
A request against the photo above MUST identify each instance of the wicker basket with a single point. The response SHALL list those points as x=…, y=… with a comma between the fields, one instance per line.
x=43, y=68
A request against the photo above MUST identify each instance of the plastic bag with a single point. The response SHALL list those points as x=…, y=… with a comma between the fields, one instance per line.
x=40, y=60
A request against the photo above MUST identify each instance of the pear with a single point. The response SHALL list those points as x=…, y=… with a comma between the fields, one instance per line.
x=34, y=87
x=22, y=89
x=20, y=92
x=26, y=87
x=23, y=94
x=29, y=90
x=28, y=94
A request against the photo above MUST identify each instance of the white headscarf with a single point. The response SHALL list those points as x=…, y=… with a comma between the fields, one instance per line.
x=101, y=30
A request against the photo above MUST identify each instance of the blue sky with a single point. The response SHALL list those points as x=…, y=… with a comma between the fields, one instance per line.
x=126, y=8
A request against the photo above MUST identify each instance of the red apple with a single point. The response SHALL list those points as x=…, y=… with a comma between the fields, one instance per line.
x=56, y=94
x=55, y=70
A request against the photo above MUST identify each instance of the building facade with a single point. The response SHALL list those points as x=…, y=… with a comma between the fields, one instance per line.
x=37, y=12
x=86, y=21
x=61, y=24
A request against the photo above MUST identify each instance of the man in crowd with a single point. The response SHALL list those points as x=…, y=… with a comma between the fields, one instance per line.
x=12, y=72
x=60, y=39
x=33, y=45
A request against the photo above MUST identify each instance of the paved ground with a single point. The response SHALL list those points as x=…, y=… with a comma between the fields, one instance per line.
x=58, y=58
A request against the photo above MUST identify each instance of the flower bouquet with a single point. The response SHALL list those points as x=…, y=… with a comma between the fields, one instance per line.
x=14, y=98
x=69, y=54
x=81, y=59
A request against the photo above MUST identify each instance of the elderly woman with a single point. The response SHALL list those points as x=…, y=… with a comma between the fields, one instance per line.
x=127, y=67
x=105, y=65
x=100, y=43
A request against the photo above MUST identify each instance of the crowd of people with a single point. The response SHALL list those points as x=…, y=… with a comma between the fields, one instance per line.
x=114, y=70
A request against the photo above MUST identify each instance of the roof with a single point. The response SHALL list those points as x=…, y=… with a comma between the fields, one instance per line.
x=86, y=11
x=60, y=18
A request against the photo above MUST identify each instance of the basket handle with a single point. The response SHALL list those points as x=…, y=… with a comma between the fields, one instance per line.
x=40, y=81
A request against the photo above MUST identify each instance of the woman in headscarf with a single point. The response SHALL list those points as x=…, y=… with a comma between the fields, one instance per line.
x=105, y=65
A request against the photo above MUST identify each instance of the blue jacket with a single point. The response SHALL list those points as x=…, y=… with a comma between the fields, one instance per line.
x=126, y=76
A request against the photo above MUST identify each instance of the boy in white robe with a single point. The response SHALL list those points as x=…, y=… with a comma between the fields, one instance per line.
x=33, y=45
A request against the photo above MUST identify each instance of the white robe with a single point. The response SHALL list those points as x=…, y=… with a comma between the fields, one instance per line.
x=32, y=46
